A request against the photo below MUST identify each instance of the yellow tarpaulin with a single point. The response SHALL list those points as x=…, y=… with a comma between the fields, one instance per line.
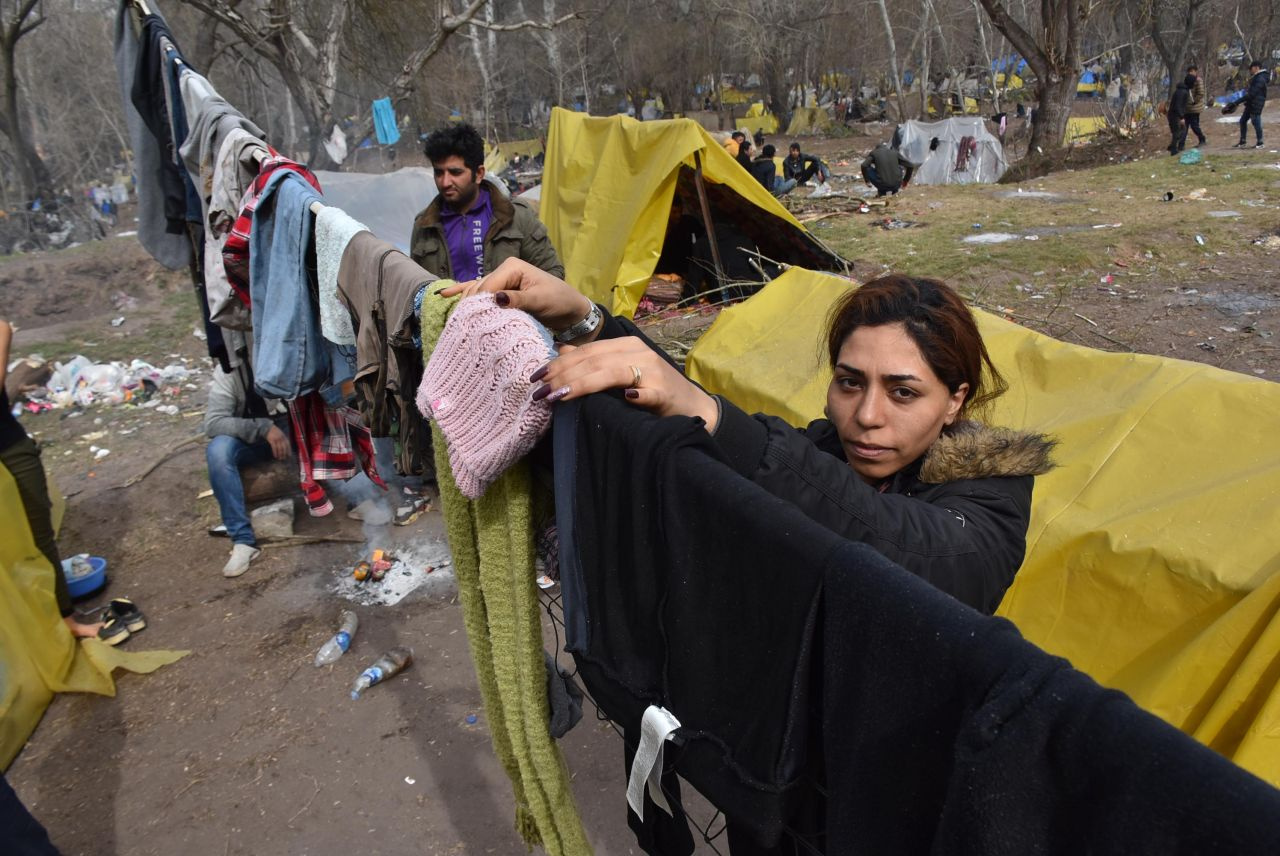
x=607, y=190
x=38, y=656
x=1152, y=556
x=758, y=120
x=1083, y=128
x=497, y=157
x=808, y=120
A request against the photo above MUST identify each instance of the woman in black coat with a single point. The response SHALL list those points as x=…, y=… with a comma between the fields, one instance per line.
x=899, y=462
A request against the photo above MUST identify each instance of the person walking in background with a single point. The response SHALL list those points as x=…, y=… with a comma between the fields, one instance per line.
x=1255, y=98
x=1178, y=103
x=1196, y=104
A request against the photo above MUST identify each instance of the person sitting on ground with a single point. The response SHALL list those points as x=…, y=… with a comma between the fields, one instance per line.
x=765, y=170
x=472, y=226
x=887, y=170
x=744, y=154
x=20, y=455
x=901, y=462
x=1255, y=98
x=244, y=429
x=734, y=143
x=800, y=167
x=1177, y=116
x=1196, y=104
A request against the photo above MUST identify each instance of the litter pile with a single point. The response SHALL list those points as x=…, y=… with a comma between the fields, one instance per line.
x=80, y=382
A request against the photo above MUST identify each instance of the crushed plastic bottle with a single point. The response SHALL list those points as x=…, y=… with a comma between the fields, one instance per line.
x=341, y=641
x=393, y=662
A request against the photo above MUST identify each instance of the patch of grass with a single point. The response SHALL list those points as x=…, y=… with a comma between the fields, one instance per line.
x=1068, y=246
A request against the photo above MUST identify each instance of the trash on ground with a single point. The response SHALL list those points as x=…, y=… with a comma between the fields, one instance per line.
x=991, y=238
x=1224, y=214
x=391, y=663
x=894, y=223
x=329, y=653
x=116, y=322
x=1191, y=156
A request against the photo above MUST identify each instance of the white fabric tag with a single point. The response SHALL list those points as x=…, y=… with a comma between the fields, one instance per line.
x=657, y=726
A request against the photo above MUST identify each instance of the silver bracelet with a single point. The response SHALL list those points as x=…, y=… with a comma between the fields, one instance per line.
x=582, y=328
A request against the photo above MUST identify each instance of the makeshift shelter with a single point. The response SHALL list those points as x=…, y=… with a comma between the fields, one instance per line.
x=1080, y=128
x=608, y=189
x=758, y=119
x=496, y=158
x=386, y=203
x=809, y=120
x=1090, y=85
x=1150, y=565
x=959, y=150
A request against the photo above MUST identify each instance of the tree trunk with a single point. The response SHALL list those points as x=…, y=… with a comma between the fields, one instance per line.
x=1055, y=96
x=893, y=60
x=33, y=175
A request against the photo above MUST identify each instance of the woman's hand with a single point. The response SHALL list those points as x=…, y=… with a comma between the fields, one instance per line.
x=515, y=283
x=624, y=363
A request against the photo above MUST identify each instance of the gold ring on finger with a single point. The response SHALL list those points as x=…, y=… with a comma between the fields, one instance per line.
x=635, y=377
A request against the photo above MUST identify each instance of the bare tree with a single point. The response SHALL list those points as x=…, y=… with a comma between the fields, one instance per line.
x=17, y=19
x=893, y=60
x=1053, y=53
x=1173, y=25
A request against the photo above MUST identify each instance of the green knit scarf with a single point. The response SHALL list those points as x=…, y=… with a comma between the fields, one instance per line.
x=492, y=543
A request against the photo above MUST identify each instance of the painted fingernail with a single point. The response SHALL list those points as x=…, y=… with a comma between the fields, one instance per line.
x=540, y=373
x=557, y=395
x=502, y=298
x=542, y=392
x=632, y=394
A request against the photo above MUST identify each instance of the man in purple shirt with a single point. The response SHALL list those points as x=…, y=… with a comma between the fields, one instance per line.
x=473, y=226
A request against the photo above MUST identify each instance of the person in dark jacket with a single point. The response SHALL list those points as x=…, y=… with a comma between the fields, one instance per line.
x=765, y=171
x=1196, y=103
x=901, y=462
x=801, y=167
x=472, y=226
x=1178, y=117
x=887, y=170
x=1255, y=98
x=744, y=154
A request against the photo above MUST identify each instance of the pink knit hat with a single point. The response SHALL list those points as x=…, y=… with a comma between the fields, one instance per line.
x=476, y=387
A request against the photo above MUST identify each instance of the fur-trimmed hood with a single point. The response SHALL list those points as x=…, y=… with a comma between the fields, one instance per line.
x=973, y=450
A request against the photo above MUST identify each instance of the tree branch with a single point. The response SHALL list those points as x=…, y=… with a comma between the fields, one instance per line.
x=525, y=25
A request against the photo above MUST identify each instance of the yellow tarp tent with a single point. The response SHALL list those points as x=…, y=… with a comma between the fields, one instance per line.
x=758, y=120
x=38, y=656
x=808, y=120
x=497, y=157
x=607, y=191
x=1083, y=128
x=1152, y=558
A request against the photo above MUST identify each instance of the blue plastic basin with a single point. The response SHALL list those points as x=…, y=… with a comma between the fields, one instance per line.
x=89, y=583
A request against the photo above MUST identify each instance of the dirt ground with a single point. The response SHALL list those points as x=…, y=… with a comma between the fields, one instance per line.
x=244, y=747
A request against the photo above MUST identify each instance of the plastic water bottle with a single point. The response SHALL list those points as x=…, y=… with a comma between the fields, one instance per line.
x=341, y=641
x=393, y=662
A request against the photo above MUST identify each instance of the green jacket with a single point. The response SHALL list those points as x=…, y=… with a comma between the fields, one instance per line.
x=515, y=232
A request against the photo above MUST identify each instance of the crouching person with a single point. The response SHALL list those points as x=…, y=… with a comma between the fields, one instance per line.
x=243, y=429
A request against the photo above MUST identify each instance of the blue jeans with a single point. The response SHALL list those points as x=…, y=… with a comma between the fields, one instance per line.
x=226, y=455
x=1247, y=117
x=783, y=186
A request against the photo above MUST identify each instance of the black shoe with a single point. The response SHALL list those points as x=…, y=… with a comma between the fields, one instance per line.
x=113, y=631
x=1258, y=144
x=1240, y=145
x=124, y=610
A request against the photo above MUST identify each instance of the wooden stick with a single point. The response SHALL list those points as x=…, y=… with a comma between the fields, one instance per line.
x=173, y=450
x=299, y=540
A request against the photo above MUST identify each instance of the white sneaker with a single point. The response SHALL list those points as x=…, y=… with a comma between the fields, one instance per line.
x=241, y=556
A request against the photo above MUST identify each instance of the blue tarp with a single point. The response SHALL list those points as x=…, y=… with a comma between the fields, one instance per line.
x=384, y=122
